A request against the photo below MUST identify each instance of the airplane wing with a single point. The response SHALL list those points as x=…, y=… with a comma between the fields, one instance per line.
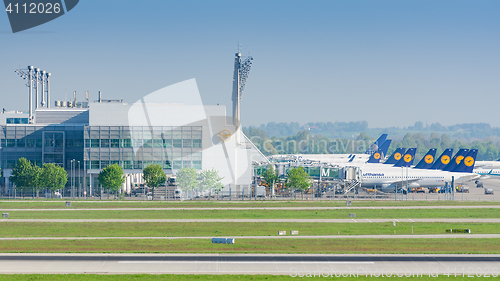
x=403, y=182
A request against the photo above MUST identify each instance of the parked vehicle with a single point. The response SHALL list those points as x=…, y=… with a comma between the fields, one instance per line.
x=488, y=191
x=417, y=190
x=435, y=190
x=141, y=191
x=462, y=189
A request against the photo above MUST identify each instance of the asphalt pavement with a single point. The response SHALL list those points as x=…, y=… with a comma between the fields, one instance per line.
x=292, y=265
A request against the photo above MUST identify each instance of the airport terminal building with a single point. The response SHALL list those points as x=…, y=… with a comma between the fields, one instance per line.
x=160, y=128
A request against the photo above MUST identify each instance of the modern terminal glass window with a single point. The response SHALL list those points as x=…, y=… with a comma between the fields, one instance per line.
x=94, y=143
x=104, y=143
x=21, y=143
x=177, y=143
x=115, y=143
x=197, y=143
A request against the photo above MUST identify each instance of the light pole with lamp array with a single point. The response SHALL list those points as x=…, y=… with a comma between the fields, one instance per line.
x=79, y=191
x=72, y=179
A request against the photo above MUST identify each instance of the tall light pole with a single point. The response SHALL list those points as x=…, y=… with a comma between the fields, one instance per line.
x=242, y=68
x=72, y=179
x=78, y=178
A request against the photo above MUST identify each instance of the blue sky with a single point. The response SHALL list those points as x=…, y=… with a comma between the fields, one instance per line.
x=391, y=63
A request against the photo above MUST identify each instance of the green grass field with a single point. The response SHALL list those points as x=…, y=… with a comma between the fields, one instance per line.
x=60, y=204
x=235, y=229
x=272, y=246
x=162, y=277
x=259, y=214
x=175, y=229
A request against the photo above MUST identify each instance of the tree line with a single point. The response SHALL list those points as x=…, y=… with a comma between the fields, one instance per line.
x=297, y=179
x=30, y=178
x=467, y=131
x=306, y=143
x=188, y=179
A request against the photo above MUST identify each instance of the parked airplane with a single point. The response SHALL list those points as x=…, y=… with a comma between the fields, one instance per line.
x=407, y=159
x=443, y=160
x=390, y=179
x=343, y=159
x=379, y=154
x=395, y=156
x=377, y=144
x=488, y=164
x=487, y=173
x=455, y=161
x=427, y=160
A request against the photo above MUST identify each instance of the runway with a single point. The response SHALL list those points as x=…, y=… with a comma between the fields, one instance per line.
x=293, y=265
x=458, y=220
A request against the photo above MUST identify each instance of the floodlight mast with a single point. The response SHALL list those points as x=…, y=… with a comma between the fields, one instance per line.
x=242, y=68
x=28, y=74
x=34, y=77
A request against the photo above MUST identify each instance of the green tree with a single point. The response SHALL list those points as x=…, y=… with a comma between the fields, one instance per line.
x=210, y=180
x=53, y=177
x=271, y=177
x=187, y=179
x=21, y=175
x=34, y=175
x=111, y=178
x=299, y=179
x=153, y=176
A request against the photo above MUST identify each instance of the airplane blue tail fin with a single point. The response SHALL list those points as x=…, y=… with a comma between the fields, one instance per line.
x=467, y=164
x=396, y=156
x=385, y=146
x=428, y=159
x=456, y=159
x=443, y=160
x=407, y=159
x=380, y=153
x=376, y=145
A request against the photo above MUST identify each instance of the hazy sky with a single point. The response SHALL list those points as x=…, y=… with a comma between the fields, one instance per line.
x=388, y=62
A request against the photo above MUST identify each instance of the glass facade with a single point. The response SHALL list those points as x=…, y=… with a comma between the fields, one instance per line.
x=99, y=146
x=57, y=144
x=134, y=148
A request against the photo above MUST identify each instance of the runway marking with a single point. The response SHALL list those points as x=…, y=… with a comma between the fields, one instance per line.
x=281, y=262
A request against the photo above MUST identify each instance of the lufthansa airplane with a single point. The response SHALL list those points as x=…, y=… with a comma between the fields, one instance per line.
x=390, y=179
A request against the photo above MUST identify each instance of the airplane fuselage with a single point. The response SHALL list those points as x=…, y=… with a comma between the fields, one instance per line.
x=388, y=179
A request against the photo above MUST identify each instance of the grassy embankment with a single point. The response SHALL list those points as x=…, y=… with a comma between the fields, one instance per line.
x=60, y=204
x=204, y=229
x=276, y=246
x=259, y=214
